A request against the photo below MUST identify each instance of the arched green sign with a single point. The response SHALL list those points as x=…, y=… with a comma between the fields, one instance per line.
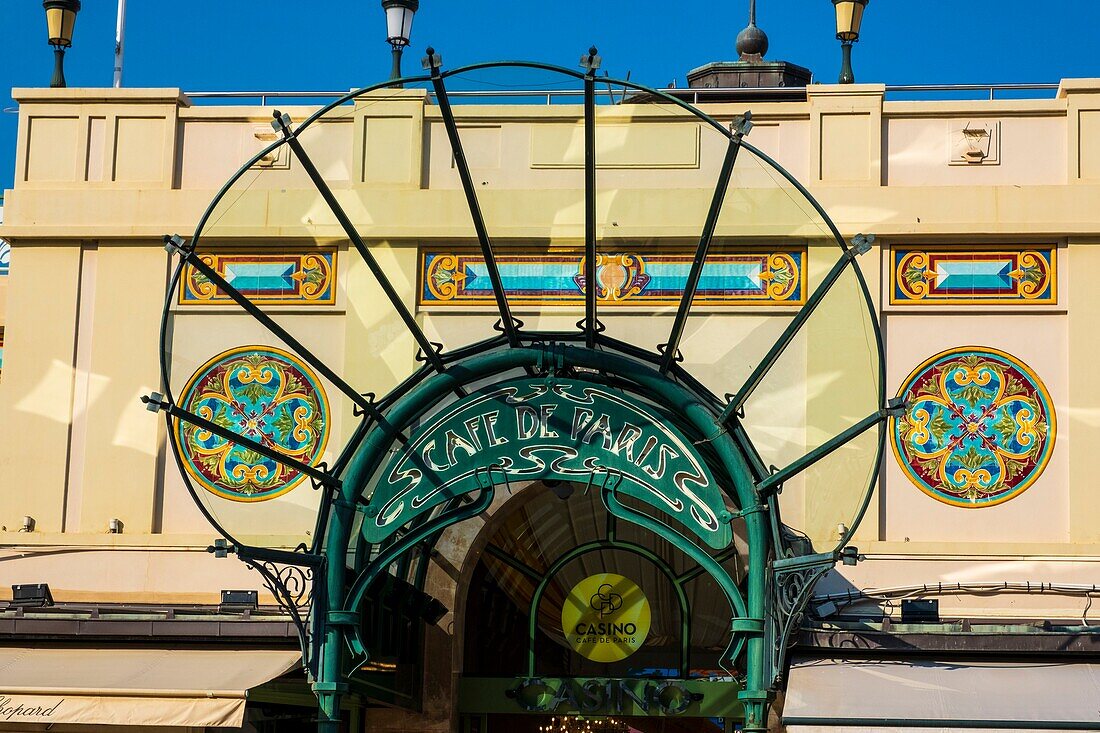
x=552, y=428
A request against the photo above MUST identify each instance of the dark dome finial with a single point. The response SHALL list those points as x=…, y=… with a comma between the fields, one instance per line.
x=752, y=43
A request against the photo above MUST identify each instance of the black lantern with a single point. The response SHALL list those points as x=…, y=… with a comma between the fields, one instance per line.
x=849, y=17
x=60, y=19
x=399, y=21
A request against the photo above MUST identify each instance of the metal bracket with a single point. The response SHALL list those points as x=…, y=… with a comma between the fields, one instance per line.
x=281, y=124
x=582, y=324
x=896, y=407
x=294, y=588
x=319, y=483
x=755, y=509
x=175, y=245
x=484, y=477
x=358, y=411
x=436, y=347
x=591, y=61
x=861, y=244
x=609, y=474
x=742, y=125
x=767, y=490
x=739, y=413
x=678, y=357
x=551, y=360
x=155, y=402
x=791, y=582
x=432, y=61
x=517, y=324
x=221, y=548
x=291, y=585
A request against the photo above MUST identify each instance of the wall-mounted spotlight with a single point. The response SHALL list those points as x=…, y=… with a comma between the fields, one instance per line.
x=31, y=595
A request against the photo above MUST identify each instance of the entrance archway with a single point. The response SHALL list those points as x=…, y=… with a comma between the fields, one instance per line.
x=663, y=449
x=540, y=546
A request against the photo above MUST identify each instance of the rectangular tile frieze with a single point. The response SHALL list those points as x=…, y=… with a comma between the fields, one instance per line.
x=298, y=278
x=1025, y=276
x=5, y=257
x=459, y=277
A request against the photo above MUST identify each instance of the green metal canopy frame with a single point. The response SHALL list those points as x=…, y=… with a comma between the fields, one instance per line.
x=539, y=418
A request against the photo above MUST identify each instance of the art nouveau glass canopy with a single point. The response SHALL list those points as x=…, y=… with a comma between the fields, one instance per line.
x=296, y=385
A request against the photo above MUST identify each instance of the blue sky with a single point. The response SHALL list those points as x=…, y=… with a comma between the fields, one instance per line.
x=340, y=44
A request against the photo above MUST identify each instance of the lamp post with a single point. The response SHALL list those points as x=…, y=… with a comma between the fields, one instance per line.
x=60, y=19
x=399, y=21
x=849, y=16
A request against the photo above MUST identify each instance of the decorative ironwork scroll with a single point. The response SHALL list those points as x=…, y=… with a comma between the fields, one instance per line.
x=791, y=582
x=293, y=589
x=550, y=429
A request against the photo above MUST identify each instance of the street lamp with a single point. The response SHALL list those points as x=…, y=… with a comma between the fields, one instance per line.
x=60, y=19
x=849, y=16
x=399, y=21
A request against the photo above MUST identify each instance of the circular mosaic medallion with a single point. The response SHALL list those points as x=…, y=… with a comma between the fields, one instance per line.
x=265, y=394
x=978, y=429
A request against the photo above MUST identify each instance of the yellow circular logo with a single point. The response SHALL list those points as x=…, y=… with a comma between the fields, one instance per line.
x=605, y=617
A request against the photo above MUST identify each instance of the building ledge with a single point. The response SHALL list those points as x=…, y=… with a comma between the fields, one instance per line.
x=136, y=623
x=1016, y=638
x=91, y=95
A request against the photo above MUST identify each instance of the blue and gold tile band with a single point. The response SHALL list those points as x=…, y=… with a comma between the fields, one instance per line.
x=974, y=276
x=5, y=257
x=459, y=277
x=297, y=278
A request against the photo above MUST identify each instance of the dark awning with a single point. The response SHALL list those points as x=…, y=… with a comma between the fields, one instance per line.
x=147, y=687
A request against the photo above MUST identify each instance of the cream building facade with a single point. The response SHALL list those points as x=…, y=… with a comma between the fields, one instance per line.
x=1002, y=192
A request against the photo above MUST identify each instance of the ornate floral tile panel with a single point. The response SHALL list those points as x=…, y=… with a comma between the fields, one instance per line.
x=460, y=277
x=5, y=257
x=300, y=278
x=978, y=429
x=974, y=277
x=265, y=394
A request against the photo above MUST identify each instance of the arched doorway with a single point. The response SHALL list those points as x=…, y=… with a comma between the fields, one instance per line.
x=518, y=624
x=620, y=442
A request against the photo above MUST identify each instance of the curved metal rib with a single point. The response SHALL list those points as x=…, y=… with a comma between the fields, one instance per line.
x=592, y=325
x=507, y=322
x=847, y=259
x=771, y=483
x=279, y=457
x=175, y=244
x=378, y=565
x=714, y=569
x=672, y=346
x=430, y=350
